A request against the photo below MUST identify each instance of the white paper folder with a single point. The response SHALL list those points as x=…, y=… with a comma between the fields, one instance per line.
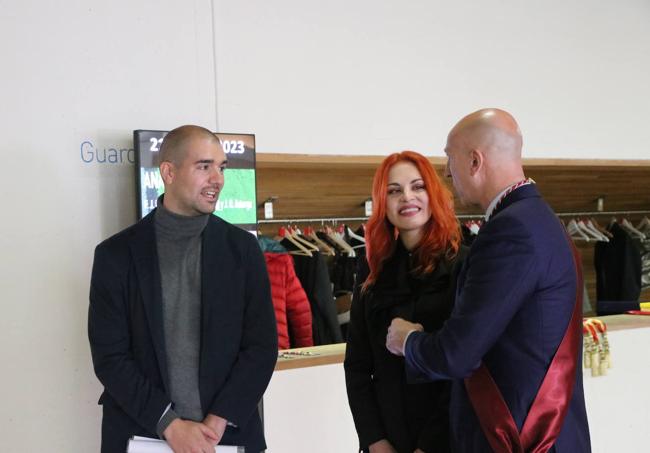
x=139, y=444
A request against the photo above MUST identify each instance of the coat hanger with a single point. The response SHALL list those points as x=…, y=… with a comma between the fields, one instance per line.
x=323, y=235
x=297, y=235
x=337, y=234
x=603, y=230
x=627, y=226
x=644, y=225
x=581, y=225
x=353, y=235
x=589, y=224
x=337, y=238
x=310, y=233
x=301, y=249
x=592, y=235
x=592, y=232
x=575, y=231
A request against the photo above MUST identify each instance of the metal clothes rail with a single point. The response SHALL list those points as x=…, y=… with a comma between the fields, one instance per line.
x=600, y=213
x=336, y=220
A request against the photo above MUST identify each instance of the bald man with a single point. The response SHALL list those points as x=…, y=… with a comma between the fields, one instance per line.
x=513, y=343
x=181, y=324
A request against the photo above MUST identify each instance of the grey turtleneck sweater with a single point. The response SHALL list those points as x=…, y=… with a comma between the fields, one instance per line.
x=178, y=240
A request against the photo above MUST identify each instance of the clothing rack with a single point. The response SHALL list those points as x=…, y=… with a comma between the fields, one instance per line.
x=599, y=213
x=336, y=220
x=572, y=214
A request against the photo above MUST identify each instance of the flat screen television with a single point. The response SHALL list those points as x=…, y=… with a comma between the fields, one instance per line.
x=237, y=202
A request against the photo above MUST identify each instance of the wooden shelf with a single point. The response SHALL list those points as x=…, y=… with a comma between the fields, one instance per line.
x=269, y=160
x=336, y=186
x=321, y=355
x=335, y=353
x=328, y=186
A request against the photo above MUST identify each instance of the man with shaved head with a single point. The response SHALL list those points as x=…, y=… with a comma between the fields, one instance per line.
x=181, y=324
x=513, y=343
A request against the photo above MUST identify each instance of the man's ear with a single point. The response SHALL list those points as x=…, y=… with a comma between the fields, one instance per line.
x=476, y=161
x=167, y=172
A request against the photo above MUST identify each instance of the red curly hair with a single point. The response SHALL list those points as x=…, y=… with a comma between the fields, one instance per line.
x=442, y=232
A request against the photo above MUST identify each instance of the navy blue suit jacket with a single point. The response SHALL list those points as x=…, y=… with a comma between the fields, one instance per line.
x=515, y=297
x=125, y=328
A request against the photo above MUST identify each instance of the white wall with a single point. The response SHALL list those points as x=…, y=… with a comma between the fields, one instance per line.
x=331, y=77
x=74, y=71
x=374, y=77
x=306, y=410
x=618, y=407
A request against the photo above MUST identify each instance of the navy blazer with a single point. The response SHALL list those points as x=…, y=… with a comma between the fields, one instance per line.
x=125, y=328
x=516, y=294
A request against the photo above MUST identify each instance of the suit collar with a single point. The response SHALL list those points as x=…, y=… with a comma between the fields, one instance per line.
x=145, y=257
x=217, y=267
x=494, y=204
x=523, y=192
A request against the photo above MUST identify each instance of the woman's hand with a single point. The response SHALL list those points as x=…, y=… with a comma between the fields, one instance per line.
x=381, y=446
x=417, y=450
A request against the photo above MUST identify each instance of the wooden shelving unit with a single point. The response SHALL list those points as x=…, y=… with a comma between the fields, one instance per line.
x=333, y=186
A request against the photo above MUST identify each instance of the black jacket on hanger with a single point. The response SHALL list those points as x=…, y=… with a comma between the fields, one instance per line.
x=618, y=267
x=314, y=278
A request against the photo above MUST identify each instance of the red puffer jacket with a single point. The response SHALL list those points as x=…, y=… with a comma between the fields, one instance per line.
x=292, y=310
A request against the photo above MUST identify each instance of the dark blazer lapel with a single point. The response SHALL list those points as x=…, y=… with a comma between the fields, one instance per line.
x=215, y=272
x=527, y=191
x=145, y=258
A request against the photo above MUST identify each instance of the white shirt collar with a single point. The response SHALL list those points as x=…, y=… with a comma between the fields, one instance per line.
x=505, y=192
x=493, y=203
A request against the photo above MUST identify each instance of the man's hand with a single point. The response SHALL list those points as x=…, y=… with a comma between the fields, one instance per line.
x=217, y=424
x=381, y=446
x=185, y=436
x=397, y=332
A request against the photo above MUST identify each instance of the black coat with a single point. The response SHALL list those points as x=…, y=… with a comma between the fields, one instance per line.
x=314, y=278
x=618, y=267
x=125, y=328
x=383, y=405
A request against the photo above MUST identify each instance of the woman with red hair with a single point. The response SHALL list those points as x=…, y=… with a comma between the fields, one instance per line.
x=413, y=258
